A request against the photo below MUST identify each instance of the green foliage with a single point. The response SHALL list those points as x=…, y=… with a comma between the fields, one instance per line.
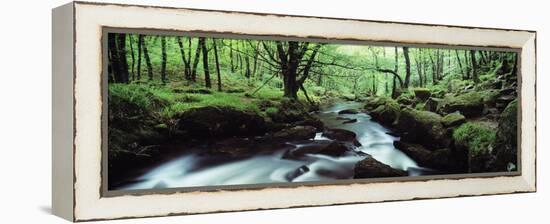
x=477, y=138
x=141, y=97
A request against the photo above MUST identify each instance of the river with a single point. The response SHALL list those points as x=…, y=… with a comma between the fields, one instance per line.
x=193, y=169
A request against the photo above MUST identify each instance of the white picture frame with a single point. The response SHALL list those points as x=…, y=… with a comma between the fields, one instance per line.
x=77, y=110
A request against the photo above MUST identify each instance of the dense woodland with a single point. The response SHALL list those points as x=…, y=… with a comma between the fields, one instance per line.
x=156, y=82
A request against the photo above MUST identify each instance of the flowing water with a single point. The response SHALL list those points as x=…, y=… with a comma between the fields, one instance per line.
x=193, y=169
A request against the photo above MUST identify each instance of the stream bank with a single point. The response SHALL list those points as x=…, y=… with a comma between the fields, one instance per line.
x=336, y=142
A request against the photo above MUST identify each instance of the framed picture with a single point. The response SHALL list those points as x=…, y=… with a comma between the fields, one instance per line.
x=163, y=111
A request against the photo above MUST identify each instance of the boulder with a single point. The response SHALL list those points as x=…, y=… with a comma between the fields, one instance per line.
x=453, y=119
x=422, y=93
x=373, y=102
x=405, y=99
x=296, y=173
x=334, y=148
x=386, y=112
x=505, y=149
x=211, y=121
x=422, y=127
x=470, y=104
x=290, y=111
x=349, y=121
x=341, y=135
x=311, y=121
x=431, y=104
x=475, y=140
x=372, y=168
x=233, y=147
x=296, y=133
x=444, y=158
x=348, y=111
x=503, y=101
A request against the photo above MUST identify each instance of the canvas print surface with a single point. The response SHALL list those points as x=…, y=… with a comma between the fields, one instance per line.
x=195, y=111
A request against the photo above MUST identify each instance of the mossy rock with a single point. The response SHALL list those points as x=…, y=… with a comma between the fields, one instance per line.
x=373, y=102
x=476, y=140
x=506, y=137
x=406, y=99
x=383, y=110
x=444, y=159
x=453, y=119
x=470, y=104
x=422, y=93
x=422, y=127
x=386, y=114
x=289, y=111
x=211, y=121
x=455, y=85
x=431, y=104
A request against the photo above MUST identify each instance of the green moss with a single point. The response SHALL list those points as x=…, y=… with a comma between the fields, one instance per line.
x=453, y=119
x=477, y=138
x=420, y=106
x=271, y=111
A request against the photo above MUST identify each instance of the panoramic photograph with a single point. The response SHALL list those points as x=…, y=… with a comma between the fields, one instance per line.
x=198, y=111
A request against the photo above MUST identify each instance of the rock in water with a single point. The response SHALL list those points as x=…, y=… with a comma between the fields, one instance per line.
x=453, y=119
x=372, y=168
x=348, y=111
x=296, y=133
x=334, y=148
x=297, y=172
x=341, y=135
x=440, y=159
x=349, y=121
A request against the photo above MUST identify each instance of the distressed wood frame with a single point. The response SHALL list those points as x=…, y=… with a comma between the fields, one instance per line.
x=77, y=110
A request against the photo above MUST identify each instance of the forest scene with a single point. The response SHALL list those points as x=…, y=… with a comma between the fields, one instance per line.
x=192, y=111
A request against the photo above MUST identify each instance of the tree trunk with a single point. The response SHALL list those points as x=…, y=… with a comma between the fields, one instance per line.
x=114, y=59
x=475, y=76
x=196, y=61
x=202, y=43
x=140, y=45
x=117, y=46
x=231, y=56
x=395, y=69
x=247, y=69
x=147, y=60
x=133, y=57
x=164, y=58
x=217, y=65
x=407, y=66
x=289, y=67
x=462, y=74
x=418, y=67
x=434, y=69
x=186, y=66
